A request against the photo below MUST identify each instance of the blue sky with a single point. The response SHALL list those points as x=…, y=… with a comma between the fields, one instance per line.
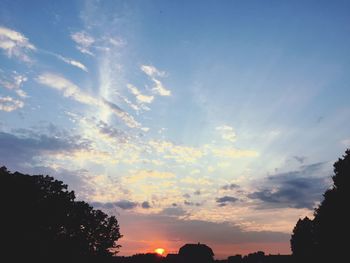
x=220, y=117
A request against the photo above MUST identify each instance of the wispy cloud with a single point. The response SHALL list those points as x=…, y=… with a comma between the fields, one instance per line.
x=139, y=96
x=158, y=87
x=14, y=82
x=10, y=104
x=72, y=62
x=227, y=133
x=148, y=175
x=152, y=71
x=179, y=153
x=15, y=44
x=71, y=90
x=24, y=146
x=123, y=204
x=230, y=186
x=83, y=41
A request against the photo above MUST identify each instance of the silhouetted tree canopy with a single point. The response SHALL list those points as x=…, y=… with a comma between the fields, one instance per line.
x=42, y=222
x=302, y=241
x=196, y=253
x=330, y=228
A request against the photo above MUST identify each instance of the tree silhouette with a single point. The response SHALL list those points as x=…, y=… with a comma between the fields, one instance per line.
x=196, y=253
x=330, y=227
x=302, y=241
x=41, y=222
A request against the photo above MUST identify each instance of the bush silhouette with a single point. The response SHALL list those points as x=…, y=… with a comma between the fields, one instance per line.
x=42, y=222
x=323, y=238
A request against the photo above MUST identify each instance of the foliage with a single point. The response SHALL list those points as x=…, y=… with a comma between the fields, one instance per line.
x=323, y=238
x=42, y=222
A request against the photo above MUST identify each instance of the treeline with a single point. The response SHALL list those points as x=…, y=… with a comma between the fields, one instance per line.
x=42, y=222
x=325, y=237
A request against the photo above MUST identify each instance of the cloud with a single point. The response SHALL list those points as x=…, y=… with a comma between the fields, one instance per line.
x=300, y=159
x=159, y=88
x=83, y=41
x=72, y=62
x=189, y=203
x=14, y=82
x=148, y=175
x=195, y=180
x=111, y=132
x=126, y=117
x=125, y=204
x=70, y=90
x=230, y=186
x=15, y=44
x=295, y=189
x=179, y=153
x=139, y=96
x=152, y=72
x=24, y=146
x=198, y=192
x=9, y=104
x=223, y=201
x=186, y=195
x=115, y=41
x=173, y=211
x=227, y=133
x=145, y=205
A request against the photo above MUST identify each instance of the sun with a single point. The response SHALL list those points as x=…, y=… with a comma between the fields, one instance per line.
x=160, y=251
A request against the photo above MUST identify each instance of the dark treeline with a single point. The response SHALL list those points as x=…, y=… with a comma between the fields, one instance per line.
x=197, y=256
x=42, y=222
x=324, y=238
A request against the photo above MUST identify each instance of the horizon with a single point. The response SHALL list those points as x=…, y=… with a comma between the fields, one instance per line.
x=200, y=121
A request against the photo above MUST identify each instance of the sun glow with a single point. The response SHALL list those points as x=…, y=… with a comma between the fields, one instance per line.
x=160, y=251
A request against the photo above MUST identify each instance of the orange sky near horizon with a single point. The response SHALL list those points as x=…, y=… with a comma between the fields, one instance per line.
x=221, y=251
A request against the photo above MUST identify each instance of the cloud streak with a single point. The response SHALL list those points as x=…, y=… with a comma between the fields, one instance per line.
x=223, y=201
x=9, y=104
x=139, y=96
x=72, y=62
x=15, y=44
x=13, y=82
x=227, y=133
x=26, y=145
x=123, y=204
x=83, y=41
x=71, y=90
x=158, y=87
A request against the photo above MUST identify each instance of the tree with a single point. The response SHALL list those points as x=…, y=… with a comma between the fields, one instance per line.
x=330, y=226
x=41, y=222
x=332, y=216
x=302, y=241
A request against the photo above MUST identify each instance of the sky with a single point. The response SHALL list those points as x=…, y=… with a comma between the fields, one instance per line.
x=190, y=121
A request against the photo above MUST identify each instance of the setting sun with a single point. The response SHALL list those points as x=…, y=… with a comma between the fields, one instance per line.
x=160, y=251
